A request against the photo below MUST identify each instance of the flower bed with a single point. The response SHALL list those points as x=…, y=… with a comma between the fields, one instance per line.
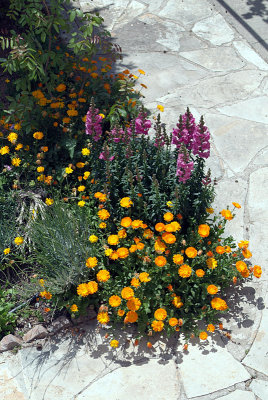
x=110, y=216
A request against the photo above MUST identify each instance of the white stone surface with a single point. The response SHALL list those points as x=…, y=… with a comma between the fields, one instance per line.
x=215, y=60
x=214, y=29
x=260, y=388
x=257, y=358
x=200, y=371
x=133, y=10
x=250, y=55
x=149, y=380
x=182, y=11
x=171, y=38
x=233, y=137
x=9, y=389
x=238, y=395
x=255, y=109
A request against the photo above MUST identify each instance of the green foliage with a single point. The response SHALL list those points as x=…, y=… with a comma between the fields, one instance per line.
x=7, y=321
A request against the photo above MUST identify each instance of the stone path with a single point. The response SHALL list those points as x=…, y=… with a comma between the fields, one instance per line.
x=193, y=56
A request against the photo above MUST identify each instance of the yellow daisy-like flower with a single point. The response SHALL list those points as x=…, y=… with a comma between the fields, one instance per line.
x=7, y=250
x=135, y=282
x=191, y=252
x=108, y=252
x=122, y=252
x=72, y=113
x=49, y=201
x=212, y=289
x=113, y=240
x=86, y=175
x=212, y=263
x=168, y=217
x=137, y=223
x=126, y=202
x=19, y=146
x=61, y=87
x=200, y=273
x=114, y=301
x=16, y=162
x=18, y=240
x=120, y=313
x=103, y=318
x=203, y=230
x=218, y=304
x=92, y=287
x=160, y=108
x=210, y=328
x=144, y=277
x=160, y=261
x=74, y=308
x=122, y=234
x=173, y=321
x=69, y=170
x=12, y=137
x=81, y=203
x=40, y=169
x=227, y=214
x=4, y=150
x=83, y=290
x=178, y=259
x=203, y=335
x=237, y=205
x=159, y=246
x=114, y=343
x=81, y=188
x=102, y=225
x=85, y=152
x=133, y=304
x=91, y=262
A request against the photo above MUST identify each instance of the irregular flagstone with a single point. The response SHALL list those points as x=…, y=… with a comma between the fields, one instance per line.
x=9, y=389
x=9, y=342
x=254, y=109
x=214, y=29
x=182, y=11
x=215, y=60
x=37, y=332
x=133, y=9
x=220, y=90
x=260, y=388
x=143, y=381
x=257, y=358
x=235, y=136
x=209, y=371
x=250, y=55
x=238, y=395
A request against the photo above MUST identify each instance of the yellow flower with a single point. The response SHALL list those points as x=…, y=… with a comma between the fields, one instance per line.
x=81, y=203
x=103, y=318
x=114, y=343
x=68, y=170
x=127, y=293
x=86, y=175
x=93, y=238
x=126, y=202
x=4, y=150
x=85, y=152
x=16, y=162
x=74, y=308
x=40, y=169
x=66, y=120
x=17, y=126
x=122, y=234
x=18, y=240
x=160, y=261
x=19, y=146
x=103, y=275
x=113, y=240
x=178, y=259
x=102, y=225
x=122, y=252
x=72, y=113
x=135, y=282
x=157, y=326
x=114, y=301
x=173, y=321
x=210, y=328
x=49, y=201
x=83, y=290
x=80, y=164
x=210, y=210
x=137, y=223
x=160, y=108
x=168, y=217
x=91, y=262
x=92, y=287
x=108, y=252
x=81, y=188
x=200, y=273
x=7, y=250
x=160, y=314
x=38, y=135
x=257, y=271
x=103, y=214
x=102, y=115
x=126, y=222
x=12, y=137
x=120, y=313
x=212, y=263
x=227, y=214
x=243, y=244
x=177, y=302
x=42, y=282
x=144, y=277
x=141, y=71
x=191, y=252
x=185, y=271
x=169, y=238
x=169, y=204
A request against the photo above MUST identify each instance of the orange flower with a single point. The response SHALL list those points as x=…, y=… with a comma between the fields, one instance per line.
x=103, y=275
x=114, y=301
x=246, y=253
x=191, y=252
x=120, y=313
x=203, y=335
x=122, y=252
x=209, y=254
x=212, y=289
x=169, y=238
x=160, y=261
x=144, y=277
x=177, y=301
x=149, y=345
x=140, y=246
x=132, y=248
x=211, y=263
x=203, y=230
x=227, y=214
x=135, y=282
x=257, y=271
x=200, y=273
x=218, y=304
x=133, y=304
x=185, y=271
x=148, y=234
x=160, y=314
x=178, y=259
x=131, y=317
x=127, y=293
x=168, y=216
x=210, y=328
x=173, y=321
x=159, y=246
x=220, y=249
x=126, y=222
x=237, y=205
x=160, y=227
x=137, y=223
x=234, y=279
x=91, y=262
x=157, y=326
x=243, y=244
x=241, y=266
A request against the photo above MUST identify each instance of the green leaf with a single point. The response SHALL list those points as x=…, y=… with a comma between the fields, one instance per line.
x=72, y=15
x=70, y=144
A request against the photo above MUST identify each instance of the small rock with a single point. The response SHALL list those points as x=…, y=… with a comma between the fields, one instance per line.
x=90, y=315
x=58, y=324
x=9, y=342
x=38, y=332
